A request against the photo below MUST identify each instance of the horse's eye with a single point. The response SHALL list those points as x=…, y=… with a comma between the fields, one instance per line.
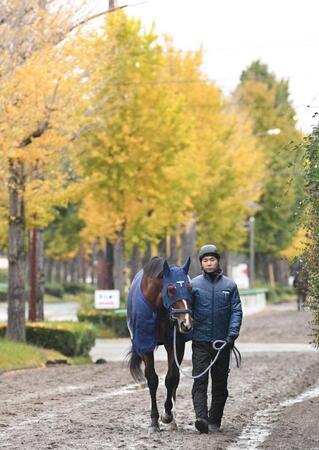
x=171, y=290
x=189, y=287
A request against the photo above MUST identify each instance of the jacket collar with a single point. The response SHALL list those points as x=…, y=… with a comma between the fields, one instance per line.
x=219, y=274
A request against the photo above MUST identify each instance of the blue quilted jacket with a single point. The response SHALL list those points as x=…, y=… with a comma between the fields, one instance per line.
x=217, y=311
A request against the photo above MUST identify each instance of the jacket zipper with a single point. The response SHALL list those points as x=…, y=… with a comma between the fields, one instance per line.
x=212, y=313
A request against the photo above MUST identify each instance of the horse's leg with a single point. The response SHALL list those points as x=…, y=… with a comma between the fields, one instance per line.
x=171, y=383
x=152, y=382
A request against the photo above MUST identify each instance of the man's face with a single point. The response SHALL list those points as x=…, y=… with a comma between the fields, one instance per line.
x=210, y=264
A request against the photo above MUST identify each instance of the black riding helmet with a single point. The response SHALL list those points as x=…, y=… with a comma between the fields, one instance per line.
x=208, y=250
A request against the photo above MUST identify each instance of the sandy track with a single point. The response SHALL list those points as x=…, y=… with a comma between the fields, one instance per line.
x=96, y=407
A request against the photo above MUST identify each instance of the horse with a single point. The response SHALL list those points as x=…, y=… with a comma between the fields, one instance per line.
x=159, y=299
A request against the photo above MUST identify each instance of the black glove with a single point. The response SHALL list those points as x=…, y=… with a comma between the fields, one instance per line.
x=230, y=341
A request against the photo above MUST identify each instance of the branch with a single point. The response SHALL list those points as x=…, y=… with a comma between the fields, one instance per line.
x=35, y=134
x=88, y=19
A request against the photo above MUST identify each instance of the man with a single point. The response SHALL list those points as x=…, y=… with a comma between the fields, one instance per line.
x=217, y=315
x=301, y=285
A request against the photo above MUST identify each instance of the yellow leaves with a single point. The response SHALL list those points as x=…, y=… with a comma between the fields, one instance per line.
x=298, y=245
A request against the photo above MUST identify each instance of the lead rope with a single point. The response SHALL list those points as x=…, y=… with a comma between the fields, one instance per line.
x=218, y=349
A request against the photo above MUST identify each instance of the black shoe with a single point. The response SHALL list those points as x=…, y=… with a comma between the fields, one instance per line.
x=213, y=428
x=201, y=425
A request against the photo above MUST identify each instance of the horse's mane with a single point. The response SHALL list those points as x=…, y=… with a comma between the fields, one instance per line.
x=154, y=268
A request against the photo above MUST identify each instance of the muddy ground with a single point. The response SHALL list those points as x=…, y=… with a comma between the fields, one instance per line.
x=98, y=407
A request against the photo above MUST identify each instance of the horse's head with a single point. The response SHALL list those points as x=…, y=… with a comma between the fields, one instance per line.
x=177, y=295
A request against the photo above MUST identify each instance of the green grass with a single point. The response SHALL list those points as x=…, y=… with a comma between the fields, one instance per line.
x=15, y=356
x=23, y=356
x=70, y=298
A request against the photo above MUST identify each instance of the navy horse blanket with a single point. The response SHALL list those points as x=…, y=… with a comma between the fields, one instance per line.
x=142, y=319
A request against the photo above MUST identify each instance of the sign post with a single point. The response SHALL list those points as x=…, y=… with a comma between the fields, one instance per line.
x=107, y=299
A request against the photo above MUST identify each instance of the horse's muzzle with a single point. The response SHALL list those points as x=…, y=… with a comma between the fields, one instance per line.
x=186, y=326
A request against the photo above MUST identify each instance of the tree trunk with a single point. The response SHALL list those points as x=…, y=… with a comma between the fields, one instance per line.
x=161, y=248
x=109, y=252
x=33, y=276
x=65, y=271
x=188, y=241
x=72, y=270
x=78, y=267
x=119, y=266
x=224, y=263
x=281, y=268
x=146, y=256
x=135, y=261
x=83, y=264
x=40, y=276
x=271, y=274
x=93, y=264
x=101, y=270
x=173, y=258
x=16, y=253
x=58, y=278
x=49, y=264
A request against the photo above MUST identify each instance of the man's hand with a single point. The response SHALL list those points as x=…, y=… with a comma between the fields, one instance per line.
x=230, y=341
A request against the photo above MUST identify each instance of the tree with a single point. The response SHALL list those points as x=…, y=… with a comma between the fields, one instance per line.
x=133, y=136
x=37, y=89
x=222, y=162
x=311, y=223
x=267, y=104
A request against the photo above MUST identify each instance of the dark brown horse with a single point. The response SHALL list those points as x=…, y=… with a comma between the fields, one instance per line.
x=160, y=296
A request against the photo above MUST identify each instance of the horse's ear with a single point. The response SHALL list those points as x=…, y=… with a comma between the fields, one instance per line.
x=186, y=265
x=166, y=268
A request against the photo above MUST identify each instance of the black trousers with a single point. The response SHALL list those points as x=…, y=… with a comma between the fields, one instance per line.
x=203, y=353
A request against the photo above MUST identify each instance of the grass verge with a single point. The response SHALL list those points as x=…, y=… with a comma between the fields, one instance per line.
x=15, y=356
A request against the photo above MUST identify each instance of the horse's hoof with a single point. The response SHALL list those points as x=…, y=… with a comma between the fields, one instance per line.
x=166, y=418
x=173, y=426
x=153, y=429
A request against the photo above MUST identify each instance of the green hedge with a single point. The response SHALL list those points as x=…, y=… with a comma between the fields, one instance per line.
x=106, y=319
x=3, y=295
x=69, y=338
x=119, y=325
x=100, y=318
x=55, y=290
x=73, y=287
x=280, y=293
x=3, y=276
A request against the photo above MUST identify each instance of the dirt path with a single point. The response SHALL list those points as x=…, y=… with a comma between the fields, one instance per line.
x=97, y=407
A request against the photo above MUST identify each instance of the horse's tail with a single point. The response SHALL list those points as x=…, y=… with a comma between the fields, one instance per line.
x=134, y=364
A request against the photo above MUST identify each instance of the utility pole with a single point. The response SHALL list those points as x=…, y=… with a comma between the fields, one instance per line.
x=251, y=251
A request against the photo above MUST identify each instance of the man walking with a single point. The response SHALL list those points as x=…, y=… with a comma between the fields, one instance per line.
x=217, y=315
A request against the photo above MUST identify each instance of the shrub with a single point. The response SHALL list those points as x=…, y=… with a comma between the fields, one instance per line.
x=55, y=290
x=3, y=276
x=310, y=218
x=3, y=295
x=73, y=287
x=3, y=330
x=69, y=338
x=119, y=325
x=106, y=319
x=279, y=293
x=101, y=318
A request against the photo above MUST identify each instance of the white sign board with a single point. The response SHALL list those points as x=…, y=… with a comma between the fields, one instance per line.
x=4, y=264
x=240, y=276
x=107, y=299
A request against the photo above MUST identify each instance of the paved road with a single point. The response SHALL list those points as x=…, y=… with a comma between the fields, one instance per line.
x=67, y=311
x=116, y=349
x=52, y=311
